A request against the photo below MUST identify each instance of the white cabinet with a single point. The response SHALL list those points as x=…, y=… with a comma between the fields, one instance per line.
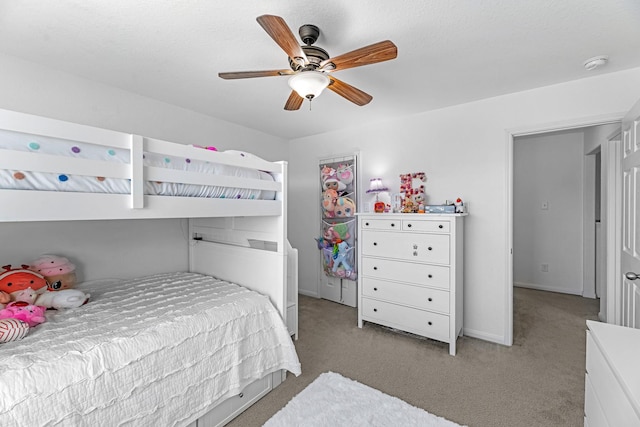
x=410, y=273
x=612, y=381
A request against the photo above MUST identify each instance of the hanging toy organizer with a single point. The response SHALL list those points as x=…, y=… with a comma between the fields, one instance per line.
x=337, y=239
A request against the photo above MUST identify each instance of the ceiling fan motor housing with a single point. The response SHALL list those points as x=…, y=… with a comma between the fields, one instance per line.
x=315, y=55
x=309, y=34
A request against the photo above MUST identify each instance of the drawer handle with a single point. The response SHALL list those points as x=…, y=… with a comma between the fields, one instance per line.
x=393, y=224
x=430, y=276
x=375, y=243
x=409, y=225
x=366, y=223
x=440, y=226
x=241, y=395
x=375, y=309
x=430, y=323
x=429, y=299
x=375, y=289
x=430, y=248
x=375, y=268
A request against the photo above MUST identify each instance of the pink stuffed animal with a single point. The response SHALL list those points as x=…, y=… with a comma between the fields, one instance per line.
x=31, y=314
x=329, y=198
x=27, y=295
x=58, y=270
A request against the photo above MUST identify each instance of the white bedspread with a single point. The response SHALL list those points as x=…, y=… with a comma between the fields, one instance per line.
x=151, y=351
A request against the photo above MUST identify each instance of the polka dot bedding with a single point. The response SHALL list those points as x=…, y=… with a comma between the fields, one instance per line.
x=62, y=181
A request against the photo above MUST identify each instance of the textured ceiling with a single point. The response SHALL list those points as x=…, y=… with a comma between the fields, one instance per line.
x=449, y=52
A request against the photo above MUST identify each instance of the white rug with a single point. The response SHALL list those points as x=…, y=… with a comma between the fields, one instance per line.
x=333, y=400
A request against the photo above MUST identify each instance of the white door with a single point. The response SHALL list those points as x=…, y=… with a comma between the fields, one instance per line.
x=630, y=256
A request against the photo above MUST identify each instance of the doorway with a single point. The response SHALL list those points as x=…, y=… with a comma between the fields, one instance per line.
x=572, y=282
x=549, y=198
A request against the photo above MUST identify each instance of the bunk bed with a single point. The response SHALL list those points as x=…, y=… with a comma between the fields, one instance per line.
x=237, y=303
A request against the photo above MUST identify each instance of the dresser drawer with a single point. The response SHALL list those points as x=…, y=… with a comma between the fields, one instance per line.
x=222, y=413
x=420, y=274
x=416, y=296
x=592, y=410
x=409, y=319
x=407, y=246
x=382, y=224
x=613, y=400
x=426, y=226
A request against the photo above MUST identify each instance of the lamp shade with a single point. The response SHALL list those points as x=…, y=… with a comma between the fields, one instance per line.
x=376, y=186
x=309, y=84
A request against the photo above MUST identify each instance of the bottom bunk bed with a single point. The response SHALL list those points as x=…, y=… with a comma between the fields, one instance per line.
x=159, y=350
x=166, y=349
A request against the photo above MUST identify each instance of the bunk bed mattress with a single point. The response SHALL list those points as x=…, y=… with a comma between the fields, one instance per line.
x=150, y=351
x=33, y=180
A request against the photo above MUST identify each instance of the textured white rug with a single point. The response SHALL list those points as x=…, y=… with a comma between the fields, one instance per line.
x=333, y=400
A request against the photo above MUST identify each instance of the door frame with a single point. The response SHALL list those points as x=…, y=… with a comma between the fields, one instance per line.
x=612, y=155
x=511, y=134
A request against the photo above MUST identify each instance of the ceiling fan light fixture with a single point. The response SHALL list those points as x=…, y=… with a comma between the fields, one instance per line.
x=309, y=84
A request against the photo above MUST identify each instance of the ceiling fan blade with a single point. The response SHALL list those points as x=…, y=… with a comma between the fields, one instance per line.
x=377, y=52
x=250, y=74
x=281, y=34
x=349, y=92
x=294, y=102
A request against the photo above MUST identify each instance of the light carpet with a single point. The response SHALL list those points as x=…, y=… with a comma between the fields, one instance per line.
x=333, y=400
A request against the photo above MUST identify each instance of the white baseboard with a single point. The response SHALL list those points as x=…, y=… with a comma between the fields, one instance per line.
x=308, y=293
x=548, y=288
x=498, y=339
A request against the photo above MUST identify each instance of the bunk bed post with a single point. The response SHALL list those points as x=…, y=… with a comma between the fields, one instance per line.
x=290, y=259
x=282, y=233
x=137, y=172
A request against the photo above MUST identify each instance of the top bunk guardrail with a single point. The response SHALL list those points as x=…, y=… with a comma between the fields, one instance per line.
x=56, y=170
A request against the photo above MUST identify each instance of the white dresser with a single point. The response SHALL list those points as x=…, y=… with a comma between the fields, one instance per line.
x=612, y=381
x=410, y=273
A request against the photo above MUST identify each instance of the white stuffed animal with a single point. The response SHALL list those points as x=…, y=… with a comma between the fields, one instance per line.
x=65, y=298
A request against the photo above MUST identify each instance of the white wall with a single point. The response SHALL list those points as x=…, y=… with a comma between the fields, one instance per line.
x=464, y=152
x=548, y=169
x=594, y=136
x=103, y=249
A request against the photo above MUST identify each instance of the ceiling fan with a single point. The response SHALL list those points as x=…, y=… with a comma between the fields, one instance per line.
x=311, y=66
